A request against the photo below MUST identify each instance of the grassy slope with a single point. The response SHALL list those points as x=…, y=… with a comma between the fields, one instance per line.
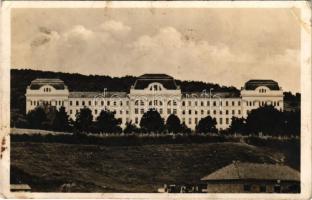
x=45, y=166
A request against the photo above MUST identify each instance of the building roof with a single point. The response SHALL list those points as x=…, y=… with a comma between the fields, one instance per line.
x=206, y=95
x=167, y=81
x=97, y=94
x=20, y=187
x=254, y=171
x=58, y=84
x=253, y=84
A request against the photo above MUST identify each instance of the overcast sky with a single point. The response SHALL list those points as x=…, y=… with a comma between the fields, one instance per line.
x=225, y=46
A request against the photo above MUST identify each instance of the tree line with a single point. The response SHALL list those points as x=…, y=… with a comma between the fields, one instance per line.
x=264, y=120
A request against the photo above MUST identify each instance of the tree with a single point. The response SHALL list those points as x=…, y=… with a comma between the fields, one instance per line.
x=206, y=125
x=84, y=119
x=106, y=122
x=173, y=124
x=238, y=125
x=265, y=119
x=61, y=121
x=151, y=121
x=185, y=129
x=36, y=118
x=131, y=128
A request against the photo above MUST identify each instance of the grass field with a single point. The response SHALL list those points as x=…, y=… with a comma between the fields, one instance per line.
x=98, y=168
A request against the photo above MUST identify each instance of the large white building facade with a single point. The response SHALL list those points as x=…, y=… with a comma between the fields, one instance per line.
x=160, y=92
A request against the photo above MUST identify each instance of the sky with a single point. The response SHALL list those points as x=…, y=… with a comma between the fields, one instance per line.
x=218, y=45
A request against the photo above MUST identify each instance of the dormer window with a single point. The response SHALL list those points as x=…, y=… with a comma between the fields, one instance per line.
x=46, y=89
x=155, y=87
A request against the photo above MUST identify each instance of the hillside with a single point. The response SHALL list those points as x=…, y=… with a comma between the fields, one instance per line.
x=98, y=168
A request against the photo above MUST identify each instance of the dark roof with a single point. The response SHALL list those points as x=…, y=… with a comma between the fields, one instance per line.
x=58, y=84
x=97, y=94
x=254, y=171
x=167, y=81
x=253, y=84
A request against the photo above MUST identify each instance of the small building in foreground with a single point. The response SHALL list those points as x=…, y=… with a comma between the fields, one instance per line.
x=253, y=178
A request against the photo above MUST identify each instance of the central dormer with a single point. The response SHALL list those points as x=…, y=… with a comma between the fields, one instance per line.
x=155, y=84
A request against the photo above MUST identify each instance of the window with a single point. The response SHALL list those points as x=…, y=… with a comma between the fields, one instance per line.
x=227, y=120
x=233, y=103
x=114, y=103
x=220, y=112
x=196, y=120
x=195, y=112
x=83, y=103
x=195, y=103
x=142, y=103
x=95, y=111
x=95, y=102
x=189, y=103
x=102, y=103
x=70, y=112
x=202, y=112
x=262, y=188
x=127, y=102
x=201, y=103
x=136, y=102
x=70, y=103
x=136, y=120
x=175, y=111
x=239, y=103
x=277, y=188
x=183, y=112
x=77, y=103
x=174, y=103
x=233, y=112
x=226, y=112
x=108, y=103
x=208, y=112
x=220, y=120
x=239, y=112
x=142, y=111
x=277, y=103
x=190, y=112
x=31, y=103
x=214, y=103
x=120, y=103
x=208, y=103
x=160, y=103
x=150, y=103
x=169, y=103
x=127, y=112
x=168, y=111
x=214, y=112
x=226, y=103
x=160, y=111
x=89, y=103
x=247, y=187
x=136, y=111
x=183, y=120
x=183, y=103
x=190, y=120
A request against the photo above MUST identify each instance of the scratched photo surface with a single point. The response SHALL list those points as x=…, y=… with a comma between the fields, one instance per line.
x=155, y=100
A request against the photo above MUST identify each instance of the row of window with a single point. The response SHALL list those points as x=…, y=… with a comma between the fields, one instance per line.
x=47, y=90
x=214, y=103
x=102, y=103
x=262, y=103
x=202, y=112
x=95, y=111
x=53, y=103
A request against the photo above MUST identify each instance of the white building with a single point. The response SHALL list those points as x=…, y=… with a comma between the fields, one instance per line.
x=158, y=91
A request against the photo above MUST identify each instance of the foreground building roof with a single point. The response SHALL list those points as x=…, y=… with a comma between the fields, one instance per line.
x=254, y=171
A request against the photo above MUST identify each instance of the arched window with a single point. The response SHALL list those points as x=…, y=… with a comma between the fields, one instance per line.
x=174, y=102
x=160, y=103
x=150, y=103
x=142, y=103
x=169, y=103
x=136, y=102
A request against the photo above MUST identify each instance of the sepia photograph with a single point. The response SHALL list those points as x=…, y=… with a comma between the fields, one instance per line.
x=158, y=99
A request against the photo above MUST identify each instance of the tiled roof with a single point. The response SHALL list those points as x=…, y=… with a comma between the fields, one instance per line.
x=97, y=94
x=58, y=84
x=253, y=84
x=167, y=81
x=254, y=171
